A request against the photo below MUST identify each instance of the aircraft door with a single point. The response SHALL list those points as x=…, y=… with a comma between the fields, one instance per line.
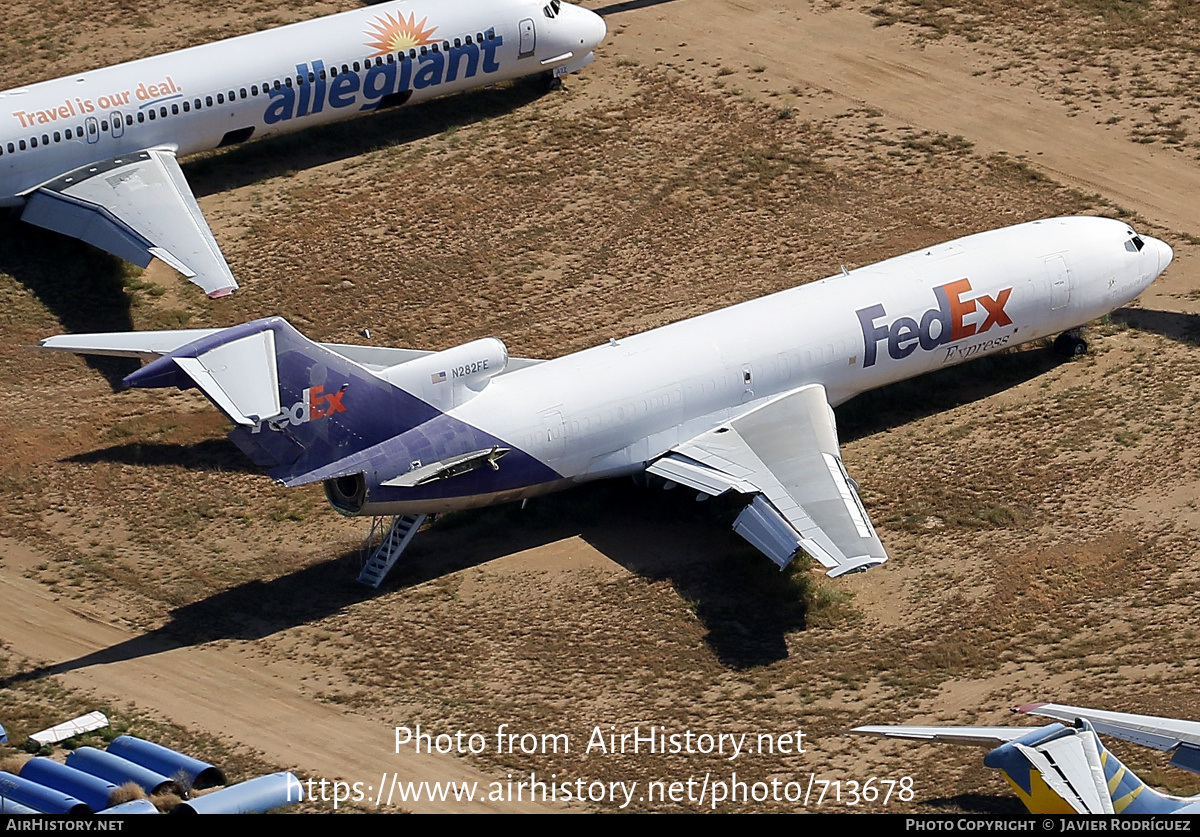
x=556, y=432
x=528, y=38
x=118, y=124
x=1058, y=279
x=92, y=129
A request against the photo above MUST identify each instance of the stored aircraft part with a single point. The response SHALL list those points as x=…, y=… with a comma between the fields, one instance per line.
x=257, y=796
x=9, y=807
x=1163, y=734
x=43, y=799
x=1060, y=769
x=91, y=790
x=133, y=806
x=113, y=768
x=166, y=761
x=68, y=729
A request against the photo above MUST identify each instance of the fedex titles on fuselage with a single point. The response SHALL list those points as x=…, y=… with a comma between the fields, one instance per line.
x=956, y=317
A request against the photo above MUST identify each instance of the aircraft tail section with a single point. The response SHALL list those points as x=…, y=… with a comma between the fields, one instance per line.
x=297, y=405
x=1068, y=770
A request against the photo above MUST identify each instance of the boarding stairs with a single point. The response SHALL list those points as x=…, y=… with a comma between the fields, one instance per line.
x=395, y=540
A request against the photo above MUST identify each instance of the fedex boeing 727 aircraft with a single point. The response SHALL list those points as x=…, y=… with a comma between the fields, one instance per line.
x=736, y=400
x=94, y=156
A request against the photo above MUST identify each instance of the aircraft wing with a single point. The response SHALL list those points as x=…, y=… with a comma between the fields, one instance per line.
x=976, y=736
x=784, y=453
x=1147, y=730
x=135, y=206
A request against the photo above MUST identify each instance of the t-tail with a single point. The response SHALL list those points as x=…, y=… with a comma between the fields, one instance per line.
x=1060, y=769
x=298, y=406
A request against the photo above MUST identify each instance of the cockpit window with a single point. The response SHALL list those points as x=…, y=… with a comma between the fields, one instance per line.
x=551, y=11
x=1135, y=244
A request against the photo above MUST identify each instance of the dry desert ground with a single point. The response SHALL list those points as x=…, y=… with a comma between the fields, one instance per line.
x=1042, y=515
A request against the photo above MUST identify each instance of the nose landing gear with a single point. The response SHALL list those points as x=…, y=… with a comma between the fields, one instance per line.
x=1070, y=344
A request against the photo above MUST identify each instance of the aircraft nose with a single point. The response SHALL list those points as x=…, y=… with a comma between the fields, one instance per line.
x=1164, y=251
x=592, y=28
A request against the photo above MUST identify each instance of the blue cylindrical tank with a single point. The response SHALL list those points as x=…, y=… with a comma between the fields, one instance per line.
x=10, y=808
x=91, y=790
x=253, y=797
x=133, y=806
x=166, y=761
x=41, y=798
x=113, y=768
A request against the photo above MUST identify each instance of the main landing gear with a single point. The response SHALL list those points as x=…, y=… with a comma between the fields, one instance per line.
x=1070, y=344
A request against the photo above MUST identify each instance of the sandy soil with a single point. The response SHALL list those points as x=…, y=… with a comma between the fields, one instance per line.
x=1041, y=515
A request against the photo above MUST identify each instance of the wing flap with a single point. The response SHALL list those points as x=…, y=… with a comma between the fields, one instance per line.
x=135, y=206
x=785, y=452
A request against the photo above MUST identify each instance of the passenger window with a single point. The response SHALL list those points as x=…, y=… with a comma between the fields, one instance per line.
x=187, y=107
x=33, y=142
x=175, y=110
x=220, y=98
x=163, y=111
x=68, y=137
x=57, y=136
x=244, y=96
x=104, y=125
x=22, y=142
x=151, y=114
x=254, y=90
x=208, y=101
x=128, y=120
x=141, y=117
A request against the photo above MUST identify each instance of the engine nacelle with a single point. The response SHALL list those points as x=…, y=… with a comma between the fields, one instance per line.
x=347, y=494
x=451, y=377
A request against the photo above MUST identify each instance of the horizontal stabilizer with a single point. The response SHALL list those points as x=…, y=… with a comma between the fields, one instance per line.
x=240, y=376
x=1147, y=730
x=976, y=736
x=135, y=206
x=139, y=344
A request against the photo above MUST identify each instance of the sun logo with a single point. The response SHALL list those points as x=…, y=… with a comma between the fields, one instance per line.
x=393, y=34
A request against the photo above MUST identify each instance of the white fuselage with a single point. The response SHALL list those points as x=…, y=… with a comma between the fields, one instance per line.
x=612, y=409
x=280, y=80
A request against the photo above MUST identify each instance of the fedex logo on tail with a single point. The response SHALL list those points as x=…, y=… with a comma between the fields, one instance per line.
x=314, y=404
x=954, y=319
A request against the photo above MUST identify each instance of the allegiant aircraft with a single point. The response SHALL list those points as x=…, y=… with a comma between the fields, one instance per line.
x=735, y=400
x=93, y=156
x=1064, y=768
